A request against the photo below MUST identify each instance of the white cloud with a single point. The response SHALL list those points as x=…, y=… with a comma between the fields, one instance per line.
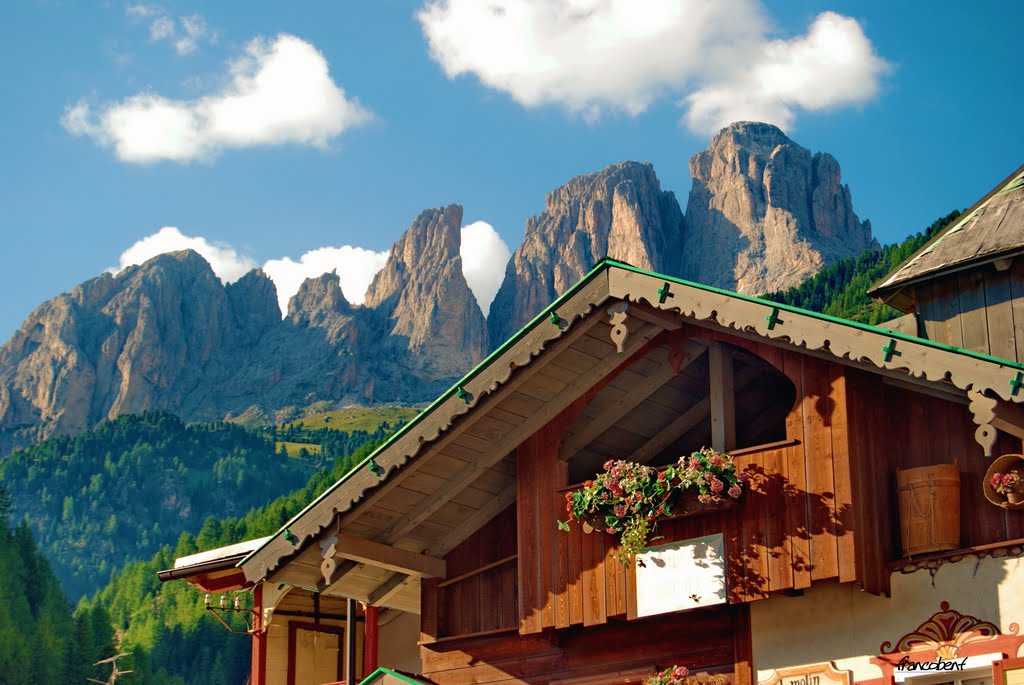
x=184, y=33
x=831, y=66
x=484, y=256
x=279, y=92
x=355, y=267
x=593, y=56
x=226, y=262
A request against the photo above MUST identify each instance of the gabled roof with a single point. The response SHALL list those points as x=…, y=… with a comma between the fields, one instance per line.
x=654, y=301
x=992, y=229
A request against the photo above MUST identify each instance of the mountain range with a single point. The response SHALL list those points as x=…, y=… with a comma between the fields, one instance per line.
x=764, y=214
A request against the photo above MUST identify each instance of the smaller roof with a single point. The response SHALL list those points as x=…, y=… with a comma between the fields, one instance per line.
x=212, y=559
x=387, y=676
x=992, y=229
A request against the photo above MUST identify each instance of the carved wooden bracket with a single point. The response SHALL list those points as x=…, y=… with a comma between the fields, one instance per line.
x=990, y=415
x=617, y=317
x=328, y=551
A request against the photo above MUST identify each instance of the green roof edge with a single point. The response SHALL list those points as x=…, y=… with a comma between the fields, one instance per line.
x=826, y=317
x=395, y=674
x=602, y=265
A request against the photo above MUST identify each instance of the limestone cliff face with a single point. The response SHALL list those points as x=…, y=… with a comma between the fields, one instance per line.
x=168, y=335
x=149, y=338
x=423, y=294
x=620, y=212
x=764, y=213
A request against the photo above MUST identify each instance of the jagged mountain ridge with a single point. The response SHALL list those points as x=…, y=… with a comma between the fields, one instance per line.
x=764, y=214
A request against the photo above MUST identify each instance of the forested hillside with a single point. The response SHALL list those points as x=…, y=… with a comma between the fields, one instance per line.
x=128, y=488
x=40, y=642
x=839, y=290
x=172, y=638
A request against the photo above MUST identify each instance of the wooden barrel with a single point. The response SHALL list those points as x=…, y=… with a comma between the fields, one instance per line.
x=929, y=503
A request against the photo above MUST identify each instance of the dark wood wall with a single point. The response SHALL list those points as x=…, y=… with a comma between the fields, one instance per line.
x=705, y=640
x=821, y=505
x=793, y=527
x=980, y=309
x=892, y=428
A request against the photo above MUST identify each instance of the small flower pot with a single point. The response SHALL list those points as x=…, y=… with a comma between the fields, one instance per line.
x=1004, y=464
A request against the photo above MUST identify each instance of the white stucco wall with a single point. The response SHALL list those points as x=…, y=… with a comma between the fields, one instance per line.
x=837, y=622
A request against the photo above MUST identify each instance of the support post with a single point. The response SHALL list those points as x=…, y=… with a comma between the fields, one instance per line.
x=350, y=641
x=371, y=616
x=258, y=664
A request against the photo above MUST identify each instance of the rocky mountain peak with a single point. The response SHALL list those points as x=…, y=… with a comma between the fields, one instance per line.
x=619, y=212
x=764, y=213
x=424, y=295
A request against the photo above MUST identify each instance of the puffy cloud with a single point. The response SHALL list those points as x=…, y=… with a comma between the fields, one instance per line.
x=831, y=66
x=279, y=92
x=484, y=256
x=355, y=267
x=185, y=33
x=226, y=262
x=592, y=56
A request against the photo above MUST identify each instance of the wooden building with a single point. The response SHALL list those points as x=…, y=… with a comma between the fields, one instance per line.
x=448, y=538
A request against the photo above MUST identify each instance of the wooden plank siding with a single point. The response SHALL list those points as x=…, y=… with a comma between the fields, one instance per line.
x=981, y=309
x=598, y=651
x=794, y=525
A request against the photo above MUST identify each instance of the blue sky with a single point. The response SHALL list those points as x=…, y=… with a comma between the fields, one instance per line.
x=410, y=111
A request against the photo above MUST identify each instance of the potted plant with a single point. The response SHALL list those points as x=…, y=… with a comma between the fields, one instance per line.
x=1004, y=482
x=628, y=499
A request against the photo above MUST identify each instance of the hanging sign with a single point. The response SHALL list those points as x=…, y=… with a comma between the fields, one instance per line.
x=680, y=575
x=811, y=674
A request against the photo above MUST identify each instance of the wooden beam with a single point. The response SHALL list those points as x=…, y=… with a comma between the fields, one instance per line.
x=342, y=570
x=1009, y=418
x=385, y=556
x=518, y=378
x=723, y=392
x=383, y=592
x=672, y=432
x=611, y=415
x=950, y=394
x=499, y=450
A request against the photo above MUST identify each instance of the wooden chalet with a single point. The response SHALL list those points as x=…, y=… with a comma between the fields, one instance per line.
x=441, y=552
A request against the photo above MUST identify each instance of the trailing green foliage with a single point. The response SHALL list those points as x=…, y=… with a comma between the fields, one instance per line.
x=40, y=641
x=839, y=290
x=173, y=639
x=125, y=489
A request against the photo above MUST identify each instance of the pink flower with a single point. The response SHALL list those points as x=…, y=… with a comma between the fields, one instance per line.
x=680, y=672
x=610, y=530
x=716, y=460
x=735, y=492
x=694, y=463
x=608, y=465
x=717, y=485
x=704, y=499
x=997, y=480
x=620, y=510
x=709, y=477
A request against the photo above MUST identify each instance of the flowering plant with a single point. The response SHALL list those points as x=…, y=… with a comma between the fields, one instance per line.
x=680, y=675
x=676, y=675
x=713, y=475
x=628, y=498
x=1006, y=483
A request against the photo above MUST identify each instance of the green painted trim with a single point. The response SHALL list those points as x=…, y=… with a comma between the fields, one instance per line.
x=825, y=317
x=542, y=316
x=394, y=674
